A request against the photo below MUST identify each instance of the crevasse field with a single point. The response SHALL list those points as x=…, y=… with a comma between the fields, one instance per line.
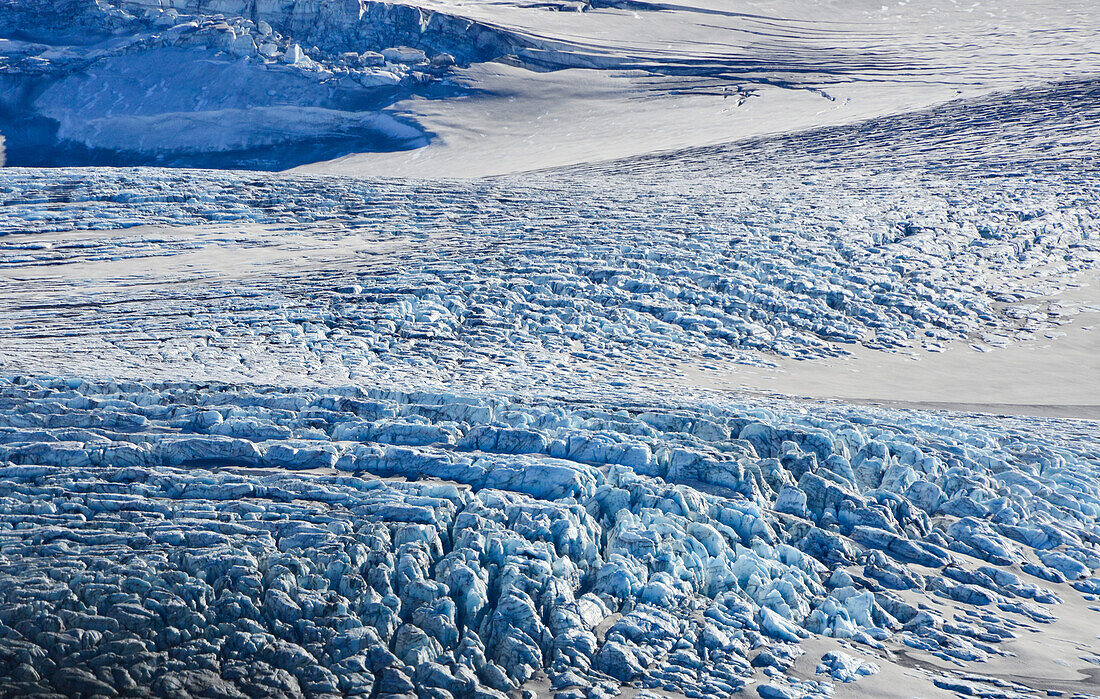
x=471, y=349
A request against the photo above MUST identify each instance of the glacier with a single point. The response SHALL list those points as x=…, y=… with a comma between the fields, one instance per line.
x=532, y=350
x=226, y=540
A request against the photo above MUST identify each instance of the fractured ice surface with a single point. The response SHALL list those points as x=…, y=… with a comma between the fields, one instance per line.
x=225, y=540
x=511, y=495
x=552, y=279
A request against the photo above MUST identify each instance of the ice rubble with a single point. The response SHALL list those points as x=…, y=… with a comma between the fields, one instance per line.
x=170, y=539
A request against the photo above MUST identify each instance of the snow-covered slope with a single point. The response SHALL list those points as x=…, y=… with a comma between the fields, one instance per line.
x=635, y=77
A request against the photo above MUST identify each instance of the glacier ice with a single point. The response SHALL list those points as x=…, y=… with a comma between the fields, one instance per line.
x=281, y=435
x=316, y=552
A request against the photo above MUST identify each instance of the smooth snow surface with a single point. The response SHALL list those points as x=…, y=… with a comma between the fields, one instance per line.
x=627, y=78
x=766, y=364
